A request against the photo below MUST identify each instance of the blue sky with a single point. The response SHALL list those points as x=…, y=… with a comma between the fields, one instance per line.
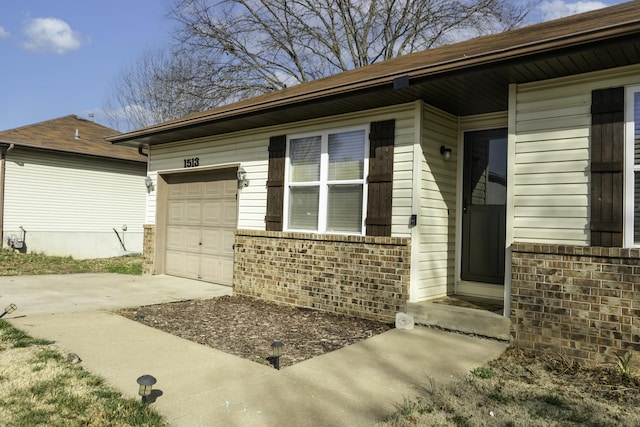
x=59, y=57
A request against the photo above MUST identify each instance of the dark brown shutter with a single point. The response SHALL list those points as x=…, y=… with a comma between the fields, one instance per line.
x=380, y=181
x=275, y=183
x=607, y=167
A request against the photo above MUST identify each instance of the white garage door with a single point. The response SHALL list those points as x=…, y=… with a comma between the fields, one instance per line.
x=201, y=221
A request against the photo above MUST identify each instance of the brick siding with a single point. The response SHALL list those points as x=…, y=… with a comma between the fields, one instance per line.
x=148, y=248
x=582, y=302
x=366, y=277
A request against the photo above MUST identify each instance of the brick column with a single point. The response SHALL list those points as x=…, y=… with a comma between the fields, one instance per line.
x=148, y=248
x=581, y=302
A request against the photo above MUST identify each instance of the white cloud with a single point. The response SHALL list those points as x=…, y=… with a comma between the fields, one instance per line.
x=3, y=33
x=50, y=35
x=560, y=8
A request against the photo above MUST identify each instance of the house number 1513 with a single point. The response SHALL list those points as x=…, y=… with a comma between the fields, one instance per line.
x=192, y=162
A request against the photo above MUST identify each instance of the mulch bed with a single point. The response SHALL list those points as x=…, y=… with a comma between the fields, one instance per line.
x=246, y=327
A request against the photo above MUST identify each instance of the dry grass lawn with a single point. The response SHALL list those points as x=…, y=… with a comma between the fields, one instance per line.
x=17, y=264
x=39, y=387
x=520, y=389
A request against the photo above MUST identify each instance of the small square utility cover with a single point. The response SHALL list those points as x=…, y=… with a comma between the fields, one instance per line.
x=404, y=321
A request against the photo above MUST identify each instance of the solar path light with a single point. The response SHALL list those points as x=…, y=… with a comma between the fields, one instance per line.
x=276, y=351
x=146, y=383
x=8, y=310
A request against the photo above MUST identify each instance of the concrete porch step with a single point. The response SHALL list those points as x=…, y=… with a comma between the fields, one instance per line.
x=461, y=319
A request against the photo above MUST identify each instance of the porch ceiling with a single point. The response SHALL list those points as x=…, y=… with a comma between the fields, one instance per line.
x=468, y=78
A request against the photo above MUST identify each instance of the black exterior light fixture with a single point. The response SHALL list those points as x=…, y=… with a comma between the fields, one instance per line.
x=277, y=348
x=243, y=182
x=148, y=182
x=446, y=152
x=8, y=310
x=146, y=383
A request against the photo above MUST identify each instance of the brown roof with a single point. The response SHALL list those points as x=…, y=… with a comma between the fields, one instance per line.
x=465, y=78
x=60, y=135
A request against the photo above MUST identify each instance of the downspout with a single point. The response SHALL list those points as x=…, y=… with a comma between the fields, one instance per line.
x=4, y=149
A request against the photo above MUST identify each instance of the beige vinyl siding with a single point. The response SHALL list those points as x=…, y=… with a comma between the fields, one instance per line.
x=551, y=179
x=435, y=269
x=403, y=166
x=150, y=198
x=248, y=150
x=69, y=204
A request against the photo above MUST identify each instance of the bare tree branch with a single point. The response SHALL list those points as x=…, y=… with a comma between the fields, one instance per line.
x=228, y=50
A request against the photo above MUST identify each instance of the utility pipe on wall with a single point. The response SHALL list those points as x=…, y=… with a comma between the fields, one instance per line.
x=4, y=149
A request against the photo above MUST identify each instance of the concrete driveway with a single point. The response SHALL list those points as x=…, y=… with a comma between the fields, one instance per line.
x=67, y=293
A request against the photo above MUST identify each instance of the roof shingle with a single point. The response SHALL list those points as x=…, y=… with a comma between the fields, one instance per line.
x=60, y=135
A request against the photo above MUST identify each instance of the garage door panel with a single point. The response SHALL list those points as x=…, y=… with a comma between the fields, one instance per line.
x=213, y=189
x=227, y=271
x=230, y=188
x=183, y=239
x=175, y=238
x=192, y=240
x=177, y=191
x=213, y=242
x=193, y=213
x=228, y=239
x=212, y=269
x=218, y=270
x=229, y=213
x=194, y=189
x=213, y=212
x=201, y=223
x=183, y=264
x=176, y=211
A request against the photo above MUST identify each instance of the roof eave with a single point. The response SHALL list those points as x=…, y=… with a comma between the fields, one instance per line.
x=58, y=150
x=464, y=63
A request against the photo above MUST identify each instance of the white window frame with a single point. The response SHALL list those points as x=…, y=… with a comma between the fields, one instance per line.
x=323, y=183
x=629, y=167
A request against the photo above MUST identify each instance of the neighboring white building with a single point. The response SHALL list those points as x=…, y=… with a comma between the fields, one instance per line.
x=68, y=188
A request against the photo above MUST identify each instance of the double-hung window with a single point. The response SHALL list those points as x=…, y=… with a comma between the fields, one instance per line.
x=325, y=181
x=632, y=167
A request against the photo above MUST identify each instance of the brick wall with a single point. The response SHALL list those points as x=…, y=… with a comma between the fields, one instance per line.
x=365, y=277
x=582, y=302
x=148, y=248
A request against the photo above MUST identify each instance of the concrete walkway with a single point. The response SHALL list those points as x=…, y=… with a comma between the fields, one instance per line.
x=199, y=386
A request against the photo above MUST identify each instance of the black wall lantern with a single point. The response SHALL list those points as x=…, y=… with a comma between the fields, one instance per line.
x=446, y=152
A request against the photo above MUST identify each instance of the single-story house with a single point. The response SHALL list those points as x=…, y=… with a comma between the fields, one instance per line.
x=66, y=191
x=501, y=168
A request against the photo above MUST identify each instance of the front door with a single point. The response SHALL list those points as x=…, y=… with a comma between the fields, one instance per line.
x=484, y=206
